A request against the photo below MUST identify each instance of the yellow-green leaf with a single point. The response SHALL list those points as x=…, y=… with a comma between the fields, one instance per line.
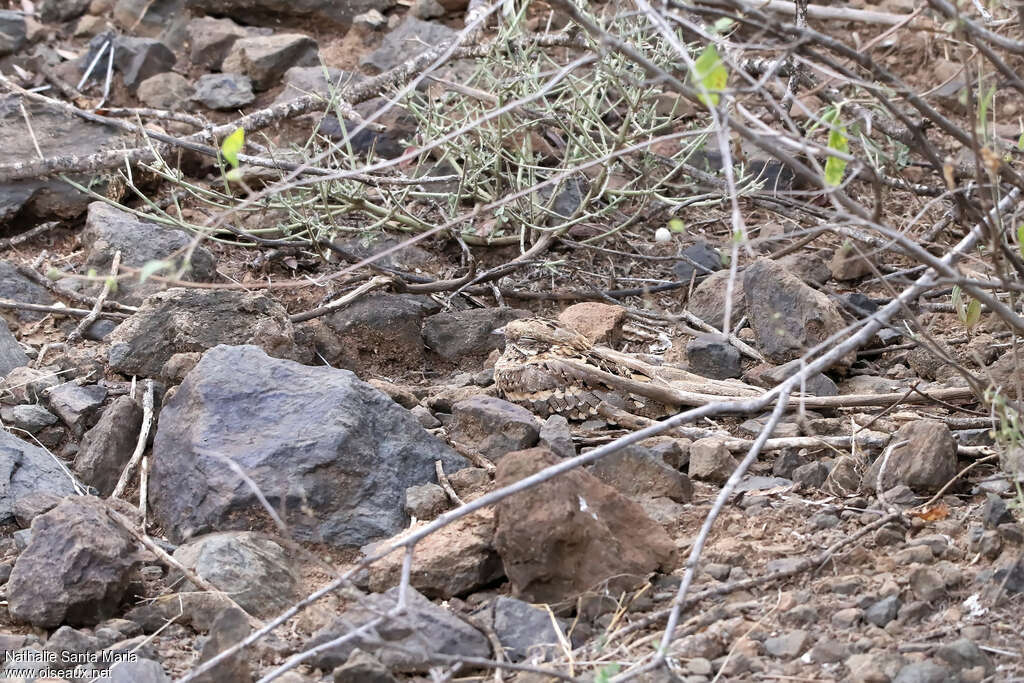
x=834, y=166
x=234, y=175
x=1020, y=239
x=151, y=268
x=710, y=74
x=677, y=225
x=973, y=314
x=54, y=274
x=232, y=145
x=722, y=25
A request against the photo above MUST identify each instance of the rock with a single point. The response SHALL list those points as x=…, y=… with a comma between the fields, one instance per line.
x=27, y=470
x=493, y=426
x=371, y=20
x=11, y=354
x=181, y=319
x=811, y=475
x=362, y=667
x=347, y=477
x=425, y=501
x=211, y=40
x=599, y=322
x=137, y=671
x=1011, y=462
x=68, y=645
x=455, y=560
x=77, y=405
x=163, y=19
x=707, y=301
x=873, y=667
x=714, y=357
x=12, y=32
x=711, y=460
x=107, y=447
x=1011, y=576
x=76, y=569
x=16, y=287
x=198, y=610
x=524, y=631
x=427, y=9
x=470, y=482
x=255, y=571
x=572, y=533
x=377, y=331
x=224, y=91
x=58, y=134
x=815, y=385
x=808, y=267
x=701, y=258
x=924, y=672
x=964, y=654
x=927, y=584
x=230, y=627
x=264, y=59
x=639, y=472
x=555, y=435
x=168, y=90
x=27, y=508
x=461, y=334
x=847, y=618
x=994, y=513
x=925, y=463
x=300, y=81
x=31, y=418
x=135, y=58
x=261, y=12
x=54, y=11
x=848, y=263
x=883, y=611
x=108, y=230
x=787, y=316
x=787, y=646
x=422, y=630
x=99, y=329
x=425, y=417
x=407, y=40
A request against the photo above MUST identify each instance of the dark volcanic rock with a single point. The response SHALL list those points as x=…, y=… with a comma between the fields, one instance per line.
x=224, y=91
x=462, y=334
x=330, y=451
x=108, y=230
x=211, y=39
x=77, y=405
x=788, y=317
x=714, y=357
x=407, y=40
x=376, y=331
x=493, y=426
x=107, y=447
x=925, y=463
x=572, y=533
x=264, y=59
x=11, y=354
x=76, y=568
x=135, y=58
x=257, y=11
x=26, y=469
x=701, y=258
x=181, y=320
x=423, y=629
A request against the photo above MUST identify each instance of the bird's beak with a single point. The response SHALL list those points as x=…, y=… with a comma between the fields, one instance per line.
x=500, y=330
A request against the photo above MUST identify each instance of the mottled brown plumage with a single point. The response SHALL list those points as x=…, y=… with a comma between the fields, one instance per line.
x=553, y=370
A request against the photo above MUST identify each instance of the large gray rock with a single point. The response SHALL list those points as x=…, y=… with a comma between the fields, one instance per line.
x=329, y=451
x=75, y=569
x=26, y=469
x=58, y=134
x=12, y=31
x=211, y=39
x=423, y=629
x=108, y=230
x=135, y=58
x=787, y=316
x=255, y=571
x=925, y=462
x=180, y=320
x=493, y=426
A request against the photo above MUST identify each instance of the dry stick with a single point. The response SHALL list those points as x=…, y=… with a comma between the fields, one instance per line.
x=40, y=279
x=368, y=286
x=140, y=445
x=88, y=320
x=56, y=310
x=442, y=479
x=9, y=242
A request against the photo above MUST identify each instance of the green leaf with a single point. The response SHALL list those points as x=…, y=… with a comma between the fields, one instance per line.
x=1020, y=142
x=234, y=175
x=605, y=673
x=677, y=225
x=1020, y=239
x=837, y=142
x=54, y=274
x=957, y=298
x=151, y=268
x=711, y=74
x=111, y=283
x=232, y=145
x=722, y=25
x=973, y=314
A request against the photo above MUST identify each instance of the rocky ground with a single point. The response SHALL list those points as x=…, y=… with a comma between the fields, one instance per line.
x=221, y=440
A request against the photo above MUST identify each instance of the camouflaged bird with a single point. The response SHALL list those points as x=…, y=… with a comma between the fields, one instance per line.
x=551, y=370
